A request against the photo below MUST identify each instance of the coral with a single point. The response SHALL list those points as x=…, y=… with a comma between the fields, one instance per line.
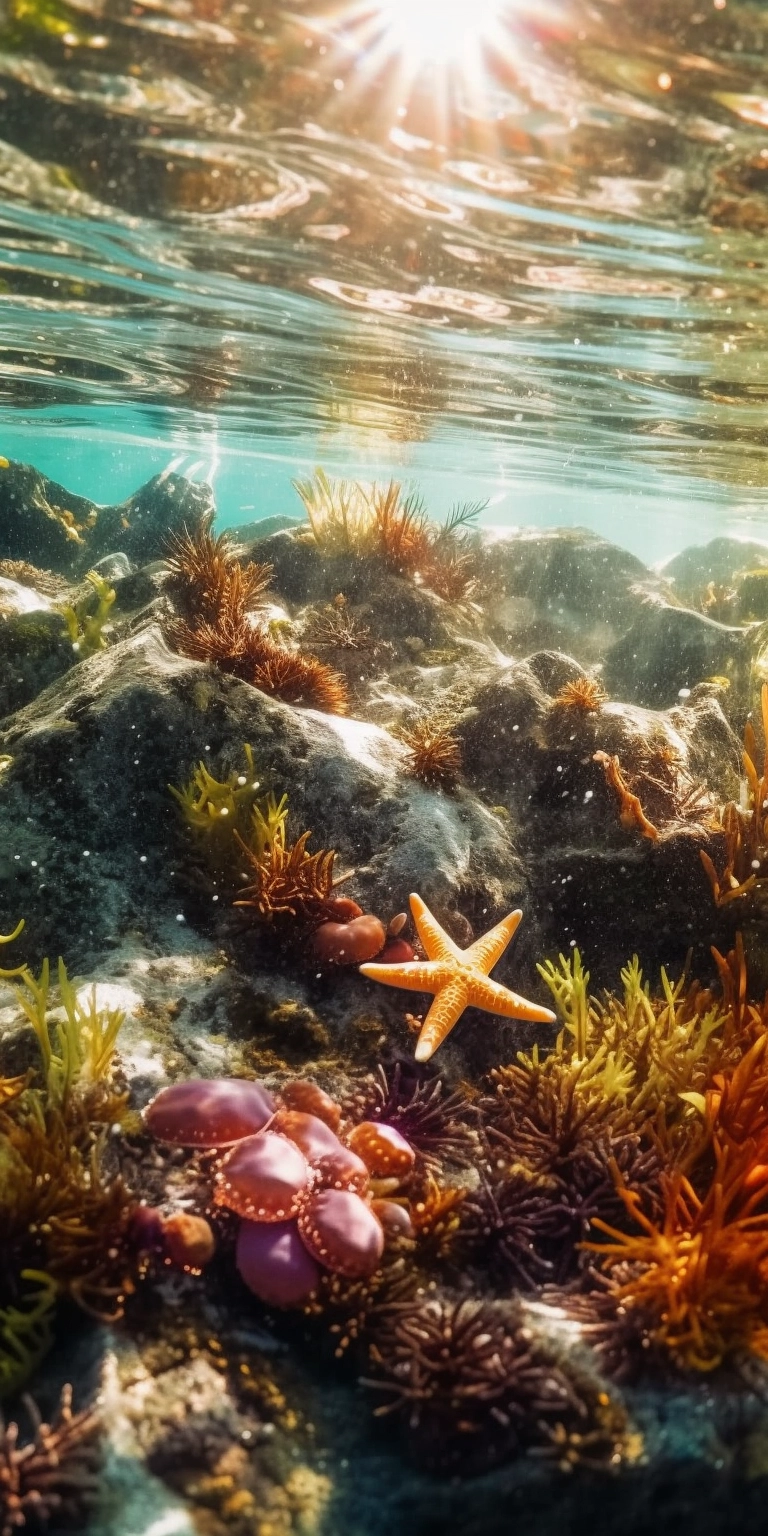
x=434, y=755
x=584, y=695
x=745, y=826
x=86, y=624
x=457, y=978
x=348, y=518
x=472, y=1387
x=51, y=1479
x=305, y=1197
x=631, y=813
x=216, y=598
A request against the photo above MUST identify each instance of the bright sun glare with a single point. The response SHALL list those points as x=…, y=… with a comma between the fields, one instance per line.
x=438, y=30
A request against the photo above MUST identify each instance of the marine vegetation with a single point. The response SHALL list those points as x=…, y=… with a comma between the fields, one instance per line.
x=205, y=576
x=85, y=622
x=584, y=695
x=631, y=813
x=64, y=1210
x=434, y=755
x=695, y=1272
x=52, y=1478
x=337, y=627
x=45, y=582
x=216, y=619
x=745, y=826
x=457, y=978
x=348, y=518
x=232, y=823
x=216, y=811
x=473, y=1386
x=605, y=1111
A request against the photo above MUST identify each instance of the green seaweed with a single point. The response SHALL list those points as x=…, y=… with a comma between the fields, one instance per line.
x=26, y=1331
x=85, y=624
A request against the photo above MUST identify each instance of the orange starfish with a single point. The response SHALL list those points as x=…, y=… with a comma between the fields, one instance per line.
x=458, y=978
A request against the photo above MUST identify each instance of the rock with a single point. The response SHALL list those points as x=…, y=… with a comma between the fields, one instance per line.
x=46, y=525
x=35, y=649
x=40, y=521
x=140, y=526
x=132, y=720
x=720, y=561
x=113, y=567
x=593, y=882
x=669, y=650
x=263, y=528
x=561, y=587
x=16, y=598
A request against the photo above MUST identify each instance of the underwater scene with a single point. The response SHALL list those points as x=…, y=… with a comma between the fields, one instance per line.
x=383, y=767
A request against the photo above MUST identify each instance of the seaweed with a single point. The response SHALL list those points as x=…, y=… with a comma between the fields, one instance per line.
x=347, y=518
x=64, y=1213
x=85, y=623
x=745, y=826
x=216, y=622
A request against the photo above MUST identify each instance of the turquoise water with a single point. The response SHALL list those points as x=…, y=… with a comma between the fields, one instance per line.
x=242, y=240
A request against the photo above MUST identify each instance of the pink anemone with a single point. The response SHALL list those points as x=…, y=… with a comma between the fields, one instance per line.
x=209, y=1112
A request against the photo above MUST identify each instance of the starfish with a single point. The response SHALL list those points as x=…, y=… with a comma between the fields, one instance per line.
x=458, y=978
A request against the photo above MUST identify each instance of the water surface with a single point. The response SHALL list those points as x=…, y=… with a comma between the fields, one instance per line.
x=242, y=239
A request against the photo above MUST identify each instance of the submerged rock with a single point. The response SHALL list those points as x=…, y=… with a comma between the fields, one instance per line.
x=719, y=562
x=669, y=650
x=561, y=588
x=48, y=526
x=35, y=649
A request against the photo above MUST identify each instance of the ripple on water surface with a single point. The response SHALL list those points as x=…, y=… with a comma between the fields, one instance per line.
x=230, y=231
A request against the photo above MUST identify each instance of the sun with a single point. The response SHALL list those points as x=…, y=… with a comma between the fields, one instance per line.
x=438, y=31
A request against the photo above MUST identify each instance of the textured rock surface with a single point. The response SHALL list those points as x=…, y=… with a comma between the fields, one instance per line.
x=42, y=522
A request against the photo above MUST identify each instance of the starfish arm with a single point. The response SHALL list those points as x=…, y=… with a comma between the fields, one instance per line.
x=413, y=975
x=446, y=1009
x=436, y=942
x=493, y=998
x=485, y=952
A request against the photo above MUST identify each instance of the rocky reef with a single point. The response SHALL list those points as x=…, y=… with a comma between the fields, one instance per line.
x=304, y=1275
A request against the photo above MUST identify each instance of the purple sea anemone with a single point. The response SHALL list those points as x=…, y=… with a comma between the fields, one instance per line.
x=303, y=1193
